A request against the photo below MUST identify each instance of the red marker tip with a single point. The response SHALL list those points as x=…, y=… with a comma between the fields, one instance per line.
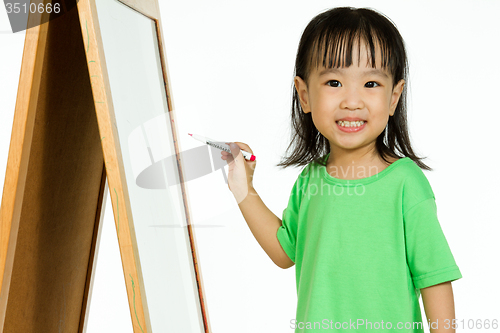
x=190, y=134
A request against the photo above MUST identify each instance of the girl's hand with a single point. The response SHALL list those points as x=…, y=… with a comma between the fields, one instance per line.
x=240, y=170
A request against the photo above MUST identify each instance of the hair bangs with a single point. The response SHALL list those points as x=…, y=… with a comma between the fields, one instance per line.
x=333, y=48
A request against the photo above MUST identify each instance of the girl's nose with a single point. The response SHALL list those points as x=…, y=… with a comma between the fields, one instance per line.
x=352, y=99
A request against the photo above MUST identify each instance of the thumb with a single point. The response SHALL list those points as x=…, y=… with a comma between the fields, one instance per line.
x=235, y=151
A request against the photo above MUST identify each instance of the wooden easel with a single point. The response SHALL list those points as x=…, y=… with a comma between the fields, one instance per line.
x=55, y=180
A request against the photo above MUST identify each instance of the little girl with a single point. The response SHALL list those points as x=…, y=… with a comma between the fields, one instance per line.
x=361, y=223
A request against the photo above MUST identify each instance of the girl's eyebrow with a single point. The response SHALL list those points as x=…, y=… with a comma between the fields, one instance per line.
x=365, y=73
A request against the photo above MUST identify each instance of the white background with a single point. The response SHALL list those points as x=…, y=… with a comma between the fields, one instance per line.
x=231, y=70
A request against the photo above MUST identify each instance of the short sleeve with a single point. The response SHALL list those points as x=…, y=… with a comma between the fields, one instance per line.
x=428, y=255
x=287, y=233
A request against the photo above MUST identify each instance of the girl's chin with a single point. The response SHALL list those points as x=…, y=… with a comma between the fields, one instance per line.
x=353, y=143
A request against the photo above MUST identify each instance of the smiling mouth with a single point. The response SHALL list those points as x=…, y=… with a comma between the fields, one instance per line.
x=358, y=123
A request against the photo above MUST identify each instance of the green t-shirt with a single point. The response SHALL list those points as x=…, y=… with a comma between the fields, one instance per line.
x=363, y=248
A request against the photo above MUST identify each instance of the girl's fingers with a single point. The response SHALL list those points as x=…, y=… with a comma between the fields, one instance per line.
x=235, y=150
x=244, y=147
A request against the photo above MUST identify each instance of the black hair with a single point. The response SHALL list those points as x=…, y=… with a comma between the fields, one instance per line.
x=329, y=36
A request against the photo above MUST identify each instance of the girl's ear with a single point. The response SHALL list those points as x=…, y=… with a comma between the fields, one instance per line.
x=396, y=94
x=301, y=88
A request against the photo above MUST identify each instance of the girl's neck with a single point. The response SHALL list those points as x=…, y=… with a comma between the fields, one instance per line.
x=355, y=164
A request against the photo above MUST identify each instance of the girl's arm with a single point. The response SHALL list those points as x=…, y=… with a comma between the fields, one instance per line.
x=261, y=221
x=264, y=226
x=439, y=307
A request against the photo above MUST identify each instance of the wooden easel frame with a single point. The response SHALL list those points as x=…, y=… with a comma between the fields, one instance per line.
x=55, y=180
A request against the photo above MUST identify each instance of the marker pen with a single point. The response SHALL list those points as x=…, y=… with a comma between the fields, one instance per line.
x=221, y=146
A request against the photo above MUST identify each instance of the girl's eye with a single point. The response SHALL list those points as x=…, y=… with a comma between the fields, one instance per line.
x=334, y=83
x=369, y=84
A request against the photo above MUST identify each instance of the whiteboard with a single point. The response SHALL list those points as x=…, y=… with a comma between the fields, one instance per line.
x=146, y=141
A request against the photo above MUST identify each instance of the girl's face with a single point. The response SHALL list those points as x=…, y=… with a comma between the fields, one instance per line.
x=357, y=93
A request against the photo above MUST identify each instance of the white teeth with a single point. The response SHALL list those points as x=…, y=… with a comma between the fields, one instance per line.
x=351, y=123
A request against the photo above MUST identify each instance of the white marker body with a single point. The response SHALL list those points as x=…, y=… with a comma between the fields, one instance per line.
x=218, y=145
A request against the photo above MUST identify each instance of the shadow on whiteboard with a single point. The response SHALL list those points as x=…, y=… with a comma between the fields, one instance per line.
x=154, y=169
